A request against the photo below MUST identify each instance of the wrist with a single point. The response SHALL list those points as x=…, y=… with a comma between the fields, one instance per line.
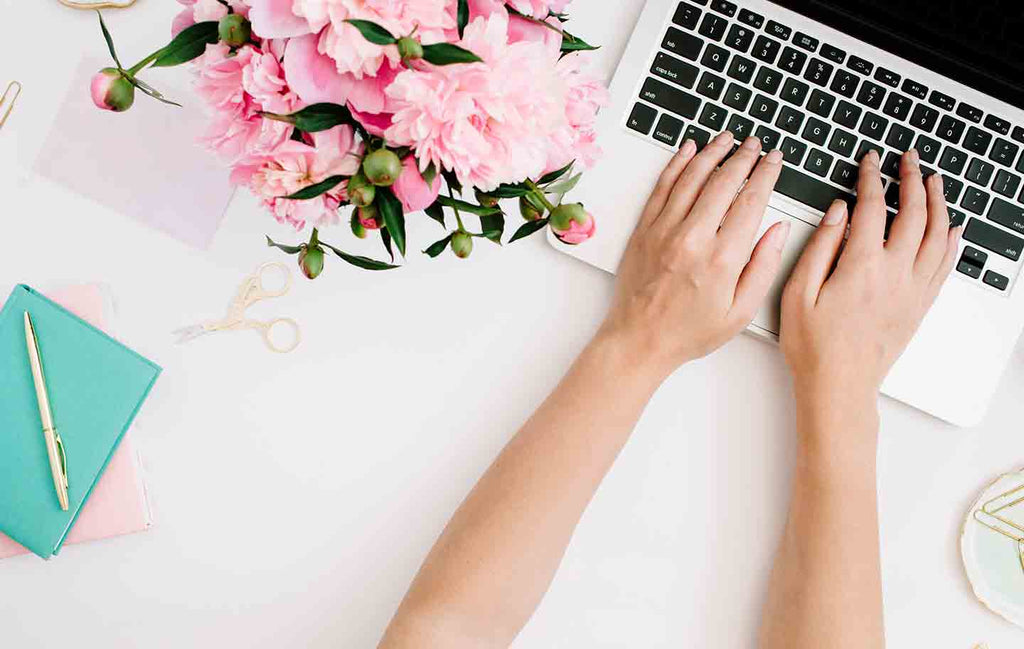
x=627, y=356
x=837, y=432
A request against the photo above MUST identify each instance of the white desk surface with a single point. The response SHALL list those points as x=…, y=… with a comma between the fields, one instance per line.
x=295, y=496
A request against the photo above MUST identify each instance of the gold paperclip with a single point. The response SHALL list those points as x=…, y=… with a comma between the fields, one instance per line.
x=4, y=101
x=105, y=4
x=988, y=515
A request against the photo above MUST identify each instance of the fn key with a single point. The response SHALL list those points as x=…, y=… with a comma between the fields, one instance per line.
x=642, y=118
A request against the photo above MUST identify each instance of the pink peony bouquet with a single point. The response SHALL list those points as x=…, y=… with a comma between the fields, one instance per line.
x=392, y=107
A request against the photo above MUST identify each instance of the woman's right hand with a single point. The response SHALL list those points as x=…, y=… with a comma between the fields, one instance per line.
x=846, y=322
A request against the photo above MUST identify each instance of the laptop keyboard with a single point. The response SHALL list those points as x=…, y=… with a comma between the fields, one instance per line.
x=720, y=66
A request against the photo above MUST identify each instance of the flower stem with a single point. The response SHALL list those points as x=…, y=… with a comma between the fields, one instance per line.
x=135, y=69
x=539, y=194
x=458, y=218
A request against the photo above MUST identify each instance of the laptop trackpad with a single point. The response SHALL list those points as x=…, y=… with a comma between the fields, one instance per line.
x=769, y=315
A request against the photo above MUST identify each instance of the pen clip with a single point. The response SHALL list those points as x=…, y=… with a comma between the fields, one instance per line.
x=63, y=458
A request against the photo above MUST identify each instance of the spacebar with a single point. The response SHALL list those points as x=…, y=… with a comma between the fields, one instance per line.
x=810, y=191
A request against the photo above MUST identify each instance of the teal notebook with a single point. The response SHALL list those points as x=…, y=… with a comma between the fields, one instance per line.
x=96, y=387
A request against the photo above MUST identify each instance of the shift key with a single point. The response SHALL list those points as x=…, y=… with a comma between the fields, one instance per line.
x=1007, y=214
x=992, y=238
x=671, y=99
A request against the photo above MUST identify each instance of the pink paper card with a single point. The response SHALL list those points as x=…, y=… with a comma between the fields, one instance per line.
x=118, y=502
x=144, y=163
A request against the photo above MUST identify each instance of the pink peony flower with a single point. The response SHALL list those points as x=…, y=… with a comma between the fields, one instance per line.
x=577, y=139
x=275, y=19
x=412, y=189
x=539, y=8
x=522, y=29
x=197, y=11
x=263, y=80
x=576, y=232
x=488, y=122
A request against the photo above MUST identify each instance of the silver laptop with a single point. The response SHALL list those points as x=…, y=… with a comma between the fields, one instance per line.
x=824, y=82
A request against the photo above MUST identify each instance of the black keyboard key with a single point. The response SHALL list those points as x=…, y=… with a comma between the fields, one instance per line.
x=790, y=120
x=924, y=118
x=673, y=69
x=737, y=97
x=845, y=174
x=969, y=269
x=668, y=130
x=724, y=7
x=769, y=138
x=687, y=15
x=809, y=43
x=915, y=89
x=809, y=190
x=992, y=238
x=945, y=102
x=845, y=83
x=951, y=189
x=641, y=119
x=995, y=280
x=764, y=109
x=1018, y=133
x=715, y=58
x=742, y=69
x=713, y=26
x=699, y=136
x=975, y=200
x=711, y=86
x=892, y=196
x=842, y=143
x=818, y=72
x=977, y=140
x=865, y=146
x=821, y=103
x=740, y=38
x=898, y=106
x=858, y=64
x=888, y=77
x=1008, y=214
x=871, y=95
x=833, y=53
x=818, y=162
x=740, y=127
x=956, y=217
x=928, y=148
x=970, y=113
x=847, y=114
x=766, y=49
x=816, y=131
x=793, y=151
x=997, y=124
x=953, y=160
x=951, y=129
x=748, y=17
x=980, y=172
x=792, y=61
x=874, y=126
x=891, y=165
x=794, y=92
x=974, y=256
x=1004, y=152
x=768, y=80
x=681, y=43
x=713, y=117
x=1006, y=183
x=778, y=30
x=1020, y=167
x=900, y=138
x=671, y=99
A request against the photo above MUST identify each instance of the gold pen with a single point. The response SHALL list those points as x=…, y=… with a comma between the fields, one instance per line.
x=54, y=445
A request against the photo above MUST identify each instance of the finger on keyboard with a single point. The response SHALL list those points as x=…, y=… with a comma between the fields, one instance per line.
x=933, y=247
x=908, y=228
x=690, y=184
x=867, y=226
x=720, y=192
x=744, y=218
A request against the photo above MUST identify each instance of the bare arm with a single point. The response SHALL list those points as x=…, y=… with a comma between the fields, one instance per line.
x=842, y=331
x=684, y=288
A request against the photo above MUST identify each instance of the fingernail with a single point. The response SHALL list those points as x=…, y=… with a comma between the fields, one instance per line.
x=958, y=232
x=782, y=235
x=871, y=157
x=689, y=146
x=914, y=156
x=724, y=136
x=774, y=157
x=836, y=212
x=751, y=143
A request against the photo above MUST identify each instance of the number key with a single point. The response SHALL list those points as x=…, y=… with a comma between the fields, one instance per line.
x=924, y=118
x=766, y=49
x=898, y=106
x=739, y=38
x=792, y=61
x=951, y=129
x=871, y=95
x=818, y=72
x=845, y=83
x=713, y=26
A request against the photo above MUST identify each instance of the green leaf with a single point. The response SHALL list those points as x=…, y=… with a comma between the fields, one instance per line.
x=564, y=187
x=149, y=90
x=447, y=54
x=555, y=175
x=187, y=45
x=463, y=16
x=362, y=262
x=463, y=206
x=436, y=212
x=452, y=180
x=572, y=43
x=527, y=229
x=493, y=226
x=317, y=117
x=385, y=238
x=373, y=32
x=429, y=175
x=510, y=191
x=438, y=246
x=110, y=41
x=318, y=189
x=394, y=218
x=291, y=250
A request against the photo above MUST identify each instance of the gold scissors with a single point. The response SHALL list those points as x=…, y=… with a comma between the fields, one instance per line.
x=97, y=5
x=251, y=291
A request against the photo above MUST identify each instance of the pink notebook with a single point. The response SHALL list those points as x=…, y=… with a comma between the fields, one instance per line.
x=118, y=503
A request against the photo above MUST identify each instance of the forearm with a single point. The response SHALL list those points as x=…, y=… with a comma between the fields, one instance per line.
x=826, y=589
x=494, y=561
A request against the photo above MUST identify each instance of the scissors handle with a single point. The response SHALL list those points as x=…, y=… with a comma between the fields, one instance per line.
x=268, y=327
x=261, y=289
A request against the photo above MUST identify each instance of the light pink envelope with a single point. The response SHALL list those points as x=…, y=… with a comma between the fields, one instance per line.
x=144, y=163
x=117, y=504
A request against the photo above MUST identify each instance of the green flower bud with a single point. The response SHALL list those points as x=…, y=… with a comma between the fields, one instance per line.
x=563, y=214
x=357, y=226
x=234, y=30
x=111, y=91
x=382, y=167
x=409, y=48
x=311, y=261
x=529, y=210
x=485, y=199
x=369, y=217
x=462, y=244
x=360, y=191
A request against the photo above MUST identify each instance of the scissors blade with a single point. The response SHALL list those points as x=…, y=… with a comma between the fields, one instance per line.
x=186, y=334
